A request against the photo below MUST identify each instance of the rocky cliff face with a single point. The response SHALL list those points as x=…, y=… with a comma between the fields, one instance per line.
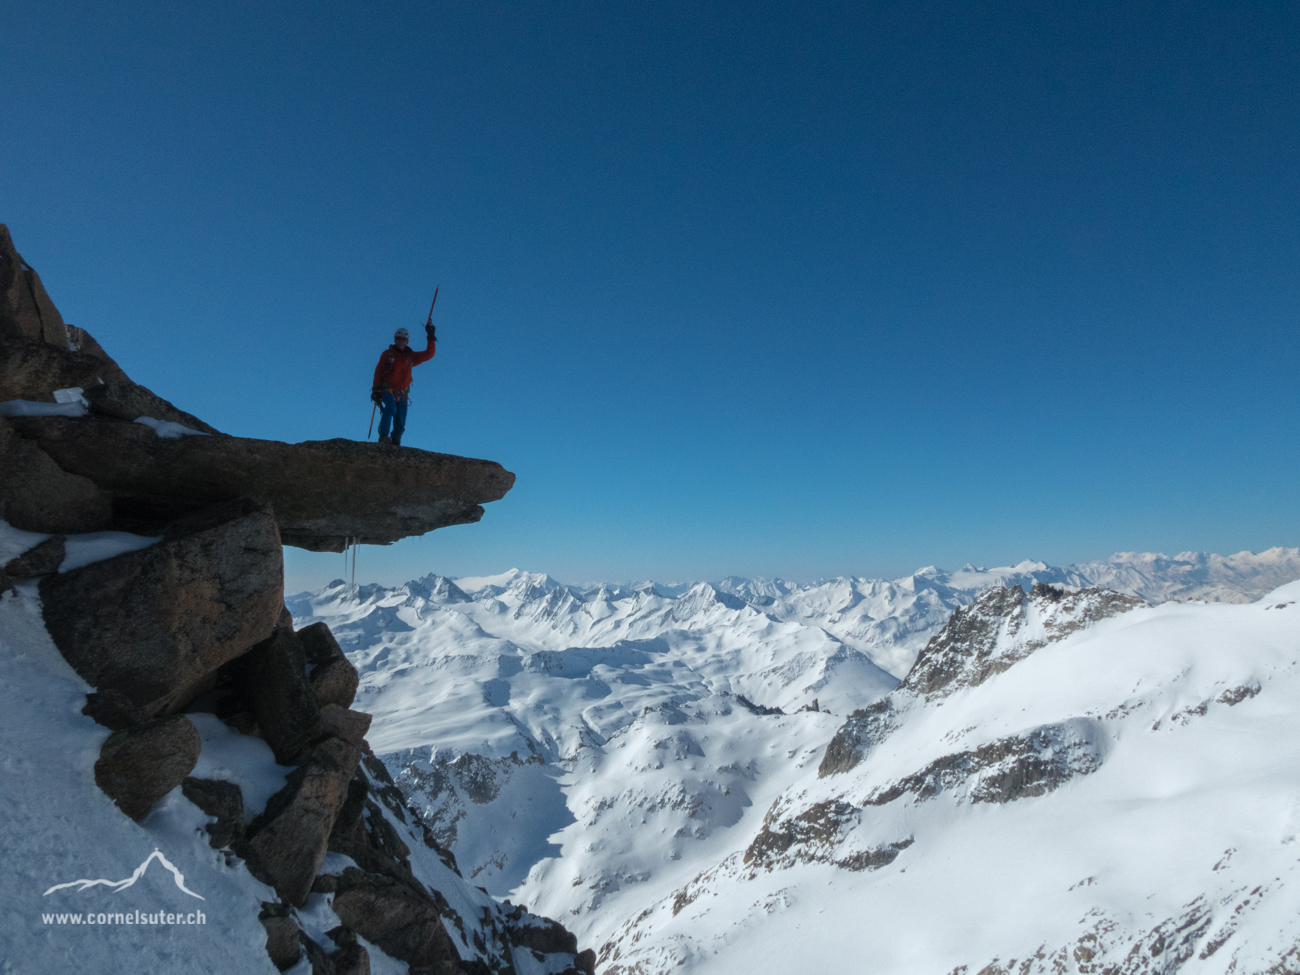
x=181, y=632
x=1003, y=626
x=126, y=459
x=41, y=352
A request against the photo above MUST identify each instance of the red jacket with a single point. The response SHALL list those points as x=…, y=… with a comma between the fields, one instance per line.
x=394, y=369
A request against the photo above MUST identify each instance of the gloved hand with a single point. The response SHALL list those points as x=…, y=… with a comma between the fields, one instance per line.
x=376, y=395
x=431, y=332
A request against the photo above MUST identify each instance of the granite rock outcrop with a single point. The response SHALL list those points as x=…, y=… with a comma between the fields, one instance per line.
x=104, y=470
x=138, y=766
x=322, y=492
x=38, y=495
x=41, y=352
x=155, y=624
x=189, y=621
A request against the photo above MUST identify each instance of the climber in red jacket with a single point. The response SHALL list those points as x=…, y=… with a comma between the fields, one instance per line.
x=392, y=387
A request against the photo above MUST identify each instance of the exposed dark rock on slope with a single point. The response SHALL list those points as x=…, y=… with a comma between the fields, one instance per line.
x=42, y=560
x=1016, y=767
x=195, y=623
x=1004, y=625
x=863, y=727
x=224, y=802
x=286, y=845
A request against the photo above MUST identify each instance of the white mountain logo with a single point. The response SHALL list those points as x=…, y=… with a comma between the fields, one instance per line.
x=120, y=885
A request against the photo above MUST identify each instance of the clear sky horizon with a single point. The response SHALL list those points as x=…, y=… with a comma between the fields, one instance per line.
x=778, y=289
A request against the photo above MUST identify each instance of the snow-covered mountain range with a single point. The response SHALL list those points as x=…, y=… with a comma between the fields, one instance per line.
x=716, y=775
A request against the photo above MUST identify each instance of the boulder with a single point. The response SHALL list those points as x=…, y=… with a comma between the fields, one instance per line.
x=40, y=560
x=335, y=682
x=337, y=722
x=225, y=801
x=39, y=353
x=139, y=766
x=325, y=883
x=350, y=826
x=156, y=623
x=333, y=678
x=272, y=679
x=286, y=943
x=395, y=917
x=114, y=710
x=34, y=370
x=79, y=340
x=37, y=495
x=286, y=844
x=282, y=935
x=321, y=962
x=128, y=401
x=322, y=492
x=351, y=957
x=26, y=312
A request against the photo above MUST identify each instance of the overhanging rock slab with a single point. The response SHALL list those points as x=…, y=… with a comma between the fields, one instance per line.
x=322, y=491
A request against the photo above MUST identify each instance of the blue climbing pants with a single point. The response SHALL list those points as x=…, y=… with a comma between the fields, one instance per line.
x=392, y=414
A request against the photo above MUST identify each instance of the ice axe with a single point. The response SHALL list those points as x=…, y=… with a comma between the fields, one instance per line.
x=428, y=322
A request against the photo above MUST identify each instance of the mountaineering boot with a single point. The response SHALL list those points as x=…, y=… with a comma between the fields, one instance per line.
x=397, y=440
x=385, y=439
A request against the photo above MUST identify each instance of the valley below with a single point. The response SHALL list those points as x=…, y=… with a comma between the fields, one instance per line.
x=1028, y=768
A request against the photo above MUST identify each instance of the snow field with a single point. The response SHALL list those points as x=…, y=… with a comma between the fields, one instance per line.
x=1196, y=809
x=60, y=828
x=1179, y=721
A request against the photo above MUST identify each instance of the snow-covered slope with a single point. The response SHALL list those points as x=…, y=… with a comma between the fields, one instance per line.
x=590, y=751
x=61, y=828
x=1043, y=794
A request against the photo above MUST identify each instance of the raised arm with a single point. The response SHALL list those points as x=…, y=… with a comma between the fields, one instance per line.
x=431, y=333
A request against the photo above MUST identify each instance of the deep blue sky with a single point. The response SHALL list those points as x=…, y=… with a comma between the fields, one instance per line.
x=783, y=288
